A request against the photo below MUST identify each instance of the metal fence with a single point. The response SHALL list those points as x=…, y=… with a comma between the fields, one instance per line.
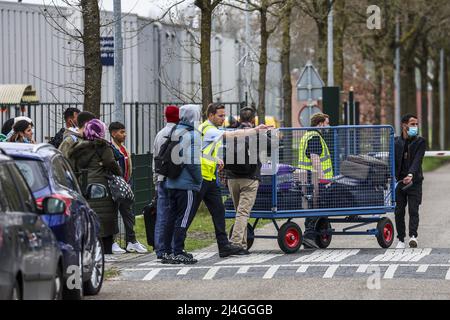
x=359, y=175
x=143, y=120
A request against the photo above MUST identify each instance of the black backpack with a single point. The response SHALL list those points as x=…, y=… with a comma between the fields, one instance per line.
x=58, y=138
x=163, y=161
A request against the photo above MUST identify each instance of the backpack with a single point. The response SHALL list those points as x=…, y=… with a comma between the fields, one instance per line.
x=163, y=161
x=58, y=138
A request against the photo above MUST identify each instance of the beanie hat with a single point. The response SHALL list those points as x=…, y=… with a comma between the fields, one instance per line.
x=172, y=114
x=94, y=129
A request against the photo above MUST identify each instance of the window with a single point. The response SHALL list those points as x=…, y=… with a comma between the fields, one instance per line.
x=11, y=196
x=23, y=189
x=63, y=175
x=70, y=176
x=34, y=174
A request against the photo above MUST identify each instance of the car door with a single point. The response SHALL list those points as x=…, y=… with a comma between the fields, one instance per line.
x=47, y=242
x=7, y=253
x=22, y=226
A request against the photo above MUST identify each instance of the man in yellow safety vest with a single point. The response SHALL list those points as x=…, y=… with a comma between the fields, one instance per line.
x=210, y=193
x=315, y=158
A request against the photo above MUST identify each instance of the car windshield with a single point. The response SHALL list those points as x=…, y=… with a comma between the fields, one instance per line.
x=34, y=174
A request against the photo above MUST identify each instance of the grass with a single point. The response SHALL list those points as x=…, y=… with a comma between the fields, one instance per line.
x=200, y=234
x=111, y=273
x=430, y=164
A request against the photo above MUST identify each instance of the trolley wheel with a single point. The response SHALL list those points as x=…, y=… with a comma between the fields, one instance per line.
x=323, y=240
x=290, y=237
x=385, y=234
x=250, y=235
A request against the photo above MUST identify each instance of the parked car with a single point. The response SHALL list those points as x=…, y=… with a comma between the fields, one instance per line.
x=48, y=173
x=30, y=258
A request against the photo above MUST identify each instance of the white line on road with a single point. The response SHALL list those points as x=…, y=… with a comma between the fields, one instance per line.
x=211, y=273
x=149, y=276
x=423, y=268
x=255, y=258
x=447, y=276
x=390, y=272
x=183, y=271
x=330, y=271
x=327, y=256
x=402, y=255
x=271, y=272
x=243, y=270
x=302, y=269
x=362, y=268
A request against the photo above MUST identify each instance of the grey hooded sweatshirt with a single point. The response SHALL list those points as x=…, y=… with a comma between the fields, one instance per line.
x=189, y=150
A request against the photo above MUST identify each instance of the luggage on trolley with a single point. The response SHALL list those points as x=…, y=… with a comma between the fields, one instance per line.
x=359, y=193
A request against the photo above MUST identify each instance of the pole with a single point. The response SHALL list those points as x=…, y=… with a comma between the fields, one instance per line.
x=441, y=102
x=118, y=62
x=330, y=47
x=397, y=78
x=247, y=63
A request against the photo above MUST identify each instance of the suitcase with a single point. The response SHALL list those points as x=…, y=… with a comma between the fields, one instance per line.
x=149, y=213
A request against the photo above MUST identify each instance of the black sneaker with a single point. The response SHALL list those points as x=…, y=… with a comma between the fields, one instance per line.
x=229, y=250
x=169, y=259
x=190, y=255
x=243, y=252
x=185, y=258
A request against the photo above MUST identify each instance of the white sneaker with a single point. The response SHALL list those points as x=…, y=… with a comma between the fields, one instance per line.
x=136, y=247
x=401, y=245
x=413, y=243
x=116, y=249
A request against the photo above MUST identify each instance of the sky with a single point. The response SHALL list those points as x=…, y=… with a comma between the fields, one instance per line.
x=144, y=8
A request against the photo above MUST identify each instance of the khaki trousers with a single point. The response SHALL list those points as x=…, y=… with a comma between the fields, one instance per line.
x=243, y=192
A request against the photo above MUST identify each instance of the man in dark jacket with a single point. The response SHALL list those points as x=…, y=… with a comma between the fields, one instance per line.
x=409, y=153
x=71, y=124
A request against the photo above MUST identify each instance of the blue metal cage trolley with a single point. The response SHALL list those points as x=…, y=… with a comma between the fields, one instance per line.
x=361, y=192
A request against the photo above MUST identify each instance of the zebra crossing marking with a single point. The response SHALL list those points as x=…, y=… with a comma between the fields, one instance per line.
x=253, y=259
x=153, y=273
x=271, y=272
x=211, y=273
x=390, y=272
x=331, y=271
x=402, y=255
x=328, y=256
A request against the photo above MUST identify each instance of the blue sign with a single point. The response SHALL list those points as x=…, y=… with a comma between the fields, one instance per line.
x=107, y=51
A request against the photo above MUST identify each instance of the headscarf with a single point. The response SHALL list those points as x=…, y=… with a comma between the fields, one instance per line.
x=94, y=130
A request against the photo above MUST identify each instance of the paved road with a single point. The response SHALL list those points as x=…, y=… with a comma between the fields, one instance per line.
x=353, y=267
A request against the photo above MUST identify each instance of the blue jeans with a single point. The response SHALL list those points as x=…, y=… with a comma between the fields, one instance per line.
x=162, y=214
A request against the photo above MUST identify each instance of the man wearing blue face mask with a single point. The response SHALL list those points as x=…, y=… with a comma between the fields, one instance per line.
x=409, y=153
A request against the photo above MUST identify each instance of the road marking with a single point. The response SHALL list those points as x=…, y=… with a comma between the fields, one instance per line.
x=211, y=273
x=327, y=256
x=330, y=271
x=402, y=255
x=423, y=268
x=253, y=259
x=302, y=269
x=389, y=274
x=447, y=276
x=183, y=271
x=149, y=276
x=362, y=268
x=204, y=255
x=243, y=270
x=271, y=272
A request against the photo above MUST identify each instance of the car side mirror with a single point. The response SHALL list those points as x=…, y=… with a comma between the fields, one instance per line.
x=53, y=206
x=96, y=191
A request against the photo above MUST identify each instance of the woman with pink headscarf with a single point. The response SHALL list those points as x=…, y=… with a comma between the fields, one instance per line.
x=95, y=154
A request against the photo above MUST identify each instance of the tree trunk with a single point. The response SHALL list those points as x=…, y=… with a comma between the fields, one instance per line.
x=389, y=93
x=339, y=32
x=378, y=92
x=322, y=49
x=262, y=67
x=424, y=89
x=408, y=88
x=92, y=62
x=205, y=56
x=435, y=143
x=285, y=64
x=447, y=101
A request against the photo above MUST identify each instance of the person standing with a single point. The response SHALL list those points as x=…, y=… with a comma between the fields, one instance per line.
x=409, y=152
x=243, y=182
x=163, y=208
x=183, y=189
x=123, y=156
x=71, y=124
x=315, y=159
x=22, y=132
x=210, y=163
x=71, y=137
x=94, y=153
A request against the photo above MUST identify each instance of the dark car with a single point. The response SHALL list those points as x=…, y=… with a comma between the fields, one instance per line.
x=30, y=258
x=49, y=174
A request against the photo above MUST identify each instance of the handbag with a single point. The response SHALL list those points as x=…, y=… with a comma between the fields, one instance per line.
x=120, y=190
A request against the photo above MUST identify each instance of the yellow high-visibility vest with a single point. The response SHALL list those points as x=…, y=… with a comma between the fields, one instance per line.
x=325, y=159
x=209, y=154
